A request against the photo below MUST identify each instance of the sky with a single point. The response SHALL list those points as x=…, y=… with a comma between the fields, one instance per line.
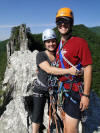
x=40, y=14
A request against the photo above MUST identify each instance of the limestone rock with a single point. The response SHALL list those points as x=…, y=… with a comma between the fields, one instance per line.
x=23, y=38
x=19, y=75
x=18, y=41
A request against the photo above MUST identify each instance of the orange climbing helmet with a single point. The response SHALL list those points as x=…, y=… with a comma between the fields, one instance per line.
x=65, y=13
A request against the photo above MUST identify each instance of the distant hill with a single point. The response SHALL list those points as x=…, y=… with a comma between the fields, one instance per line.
x=78, y=30
x=96, y=30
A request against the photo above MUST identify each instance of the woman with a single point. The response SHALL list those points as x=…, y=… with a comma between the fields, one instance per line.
x=44, y=62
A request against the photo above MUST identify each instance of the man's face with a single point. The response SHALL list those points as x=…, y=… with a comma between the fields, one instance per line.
x=63, y=26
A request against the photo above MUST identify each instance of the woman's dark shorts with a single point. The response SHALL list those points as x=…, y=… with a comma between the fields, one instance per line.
x=38, y=108
x=71, y=108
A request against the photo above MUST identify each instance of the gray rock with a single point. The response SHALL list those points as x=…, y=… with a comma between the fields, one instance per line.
x=23, y=38
x=16, y=41
x=18, y=76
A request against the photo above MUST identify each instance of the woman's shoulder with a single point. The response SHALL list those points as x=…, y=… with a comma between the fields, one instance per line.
x=42, y=53
x=41, y=56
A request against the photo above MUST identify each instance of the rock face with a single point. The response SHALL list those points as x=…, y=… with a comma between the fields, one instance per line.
x=17, y=39
x=23, y=38
x=19, y=76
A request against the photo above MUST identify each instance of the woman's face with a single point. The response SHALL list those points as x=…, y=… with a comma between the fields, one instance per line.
x=51, y=45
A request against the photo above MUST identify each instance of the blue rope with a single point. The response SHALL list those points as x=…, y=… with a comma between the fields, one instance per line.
x=61, y=58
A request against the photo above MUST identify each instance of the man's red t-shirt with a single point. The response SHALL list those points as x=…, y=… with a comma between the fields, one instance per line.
x=76, y=51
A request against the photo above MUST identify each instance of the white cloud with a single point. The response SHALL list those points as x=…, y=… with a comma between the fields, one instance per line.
x=7, y=26
x=30, y=25
x=41, y=25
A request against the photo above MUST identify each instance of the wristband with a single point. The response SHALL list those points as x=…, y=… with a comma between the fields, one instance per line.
x=85, y=95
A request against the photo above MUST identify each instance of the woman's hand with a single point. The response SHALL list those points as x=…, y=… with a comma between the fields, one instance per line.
x=72, y=71
x=75, y=72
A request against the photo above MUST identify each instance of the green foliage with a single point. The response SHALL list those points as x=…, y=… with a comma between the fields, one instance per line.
x=35, y=42
x=3, y=58
x=15, y=31
x=95, y=30
x=84, y=32
x=3, y=63
x=14, y=35
x=57, y=34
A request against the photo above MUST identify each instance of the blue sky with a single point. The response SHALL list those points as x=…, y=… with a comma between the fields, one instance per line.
x=40, y=14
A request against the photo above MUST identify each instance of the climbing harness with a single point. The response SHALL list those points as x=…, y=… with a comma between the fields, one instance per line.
x=54, y=119
x=67, y=93
x=70, y=79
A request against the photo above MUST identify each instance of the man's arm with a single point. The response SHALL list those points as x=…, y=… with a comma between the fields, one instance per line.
x=84, y=103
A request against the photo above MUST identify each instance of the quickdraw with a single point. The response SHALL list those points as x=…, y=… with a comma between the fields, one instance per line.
x=54, y=118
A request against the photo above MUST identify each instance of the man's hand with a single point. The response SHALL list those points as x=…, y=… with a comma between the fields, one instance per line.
x=84, y=103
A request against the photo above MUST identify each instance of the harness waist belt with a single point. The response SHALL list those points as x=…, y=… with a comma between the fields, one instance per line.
x=72, y=81
x=40, y=83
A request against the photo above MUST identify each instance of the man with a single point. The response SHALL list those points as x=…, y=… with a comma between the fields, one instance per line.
x=71, y=52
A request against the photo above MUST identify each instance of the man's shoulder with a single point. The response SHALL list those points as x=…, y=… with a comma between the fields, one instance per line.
x=77, y=39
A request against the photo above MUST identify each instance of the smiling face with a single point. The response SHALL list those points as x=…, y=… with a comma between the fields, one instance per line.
x=63, y=26
x=64, y=29
x=51, y=45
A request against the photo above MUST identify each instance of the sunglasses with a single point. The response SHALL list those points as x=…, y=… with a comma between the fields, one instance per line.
x=61, y=23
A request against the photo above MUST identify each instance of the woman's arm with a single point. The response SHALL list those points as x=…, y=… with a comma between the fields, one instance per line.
x=56, y=71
